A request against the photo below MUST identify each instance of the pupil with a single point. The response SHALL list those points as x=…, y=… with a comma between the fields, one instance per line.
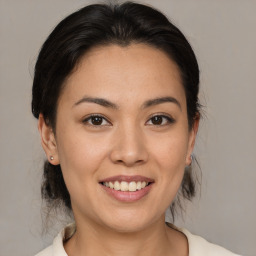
x=157, y=120
x=96, y=120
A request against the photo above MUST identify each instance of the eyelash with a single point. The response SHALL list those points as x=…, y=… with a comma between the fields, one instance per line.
x=169, y=120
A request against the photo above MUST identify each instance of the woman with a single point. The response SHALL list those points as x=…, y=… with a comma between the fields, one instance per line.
x=116, y=96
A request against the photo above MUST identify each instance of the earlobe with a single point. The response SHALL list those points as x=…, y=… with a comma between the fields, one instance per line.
x=48, y=140
x=192, y=139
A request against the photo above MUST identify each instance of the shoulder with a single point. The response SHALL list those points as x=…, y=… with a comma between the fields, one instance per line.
x=199, y=246
x=57, y=248
x=46, y=252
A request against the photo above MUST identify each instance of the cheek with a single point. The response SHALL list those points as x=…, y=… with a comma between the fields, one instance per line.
x=80, y=157
x=170, y=155
x=170, y=152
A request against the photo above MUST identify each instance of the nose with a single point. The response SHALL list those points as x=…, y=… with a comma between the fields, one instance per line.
x=129, y=148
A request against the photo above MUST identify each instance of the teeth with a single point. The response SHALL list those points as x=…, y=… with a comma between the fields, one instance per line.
x=139, y=185
x=125, y=186
x=132, y=186
x=106, y=184
x=111, y=185
x=116, y=185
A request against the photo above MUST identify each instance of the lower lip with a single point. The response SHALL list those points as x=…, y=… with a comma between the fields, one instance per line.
x=126, y=196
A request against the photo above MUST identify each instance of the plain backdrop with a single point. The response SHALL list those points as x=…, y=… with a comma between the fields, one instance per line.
x=223, y=36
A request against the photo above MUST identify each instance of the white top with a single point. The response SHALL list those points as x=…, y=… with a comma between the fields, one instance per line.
x=198, y=246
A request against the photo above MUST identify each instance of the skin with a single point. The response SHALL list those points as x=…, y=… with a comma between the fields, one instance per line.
x=127, y=142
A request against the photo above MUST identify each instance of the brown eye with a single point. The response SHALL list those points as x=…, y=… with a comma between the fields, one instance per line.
x=160, y=120
x=96, y=120
x=157, y=120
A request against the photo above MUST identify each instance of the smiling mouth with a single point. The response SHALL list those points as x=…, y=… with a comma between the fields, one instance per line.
x=126, y=186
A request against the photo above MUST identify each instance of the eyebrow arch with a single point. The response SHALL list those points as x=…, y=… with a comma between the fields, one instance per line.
x=99, y=101
x=161, y=100
x=108, y=104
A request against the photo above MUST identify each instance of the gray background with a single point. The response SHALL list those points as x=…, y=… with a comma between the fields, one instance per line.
x=223, y=36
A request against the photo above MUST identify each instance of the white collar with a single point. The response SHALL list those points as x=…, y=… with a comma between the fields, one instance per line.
x=198, y=246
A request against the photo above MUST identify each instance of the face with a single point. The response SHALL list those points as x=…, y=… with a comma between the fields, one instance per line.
x=121, y=125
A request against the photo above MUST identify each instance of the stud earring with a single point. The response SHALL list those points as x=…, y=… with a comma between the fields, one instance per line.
x=51, y=158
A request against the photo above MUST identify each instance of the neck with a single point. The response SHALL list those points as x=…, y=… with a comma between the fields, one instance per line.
x=157, y=239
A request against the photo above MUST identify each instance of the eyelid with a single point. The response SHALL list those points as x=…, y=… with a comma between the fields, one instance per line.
x=87, y=118
x=170, y=119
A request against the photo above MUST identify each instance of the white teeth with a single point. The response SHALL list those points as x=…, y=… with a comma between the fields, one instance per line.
x=116, y=185
x=106, y=184
x=138, y=185
x=125, y=186
x=111, y=185
x=143, y=184
x=132, y=186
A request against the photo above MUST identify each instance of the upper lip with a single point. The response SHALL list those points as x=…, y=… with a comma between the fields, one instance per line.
x=127, y=178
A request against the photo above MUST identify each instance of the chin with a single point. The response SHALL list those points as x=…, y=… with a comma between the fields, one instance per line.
x=127, y=227
x=128, y=222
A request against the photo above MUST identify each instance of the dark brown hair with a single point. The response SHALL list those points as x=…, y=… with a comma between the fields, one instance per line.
x=104, y=24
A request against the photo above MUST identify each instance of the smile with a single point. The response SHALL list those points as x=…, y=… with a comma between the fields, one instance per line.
x=125, y=186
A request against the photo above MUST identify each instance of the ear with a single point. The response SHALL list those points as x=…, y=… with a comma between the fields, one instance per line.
x=192, y=139
x=48, y=141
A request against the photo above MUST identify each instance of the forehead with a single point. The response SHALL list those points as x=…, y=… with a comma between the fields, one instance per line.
x=121, y=73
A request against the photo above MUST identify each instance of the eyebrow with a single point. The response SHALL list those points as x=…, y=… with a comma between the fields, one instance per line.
x=99, y=101
x=161, y=100
x=109, y=104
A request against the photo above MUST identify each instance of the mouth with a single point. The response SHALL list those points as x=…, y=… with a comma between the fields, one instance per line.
x=127, y=188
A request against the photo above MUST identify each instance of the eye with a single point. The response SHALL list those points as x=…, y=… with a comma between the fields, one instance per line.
x=95, y=120
x=160, y=120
